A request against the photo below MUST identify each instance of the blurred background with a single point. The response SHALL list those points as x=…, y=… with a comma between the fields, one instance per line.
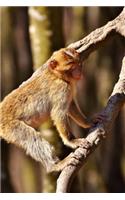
x=29, y=35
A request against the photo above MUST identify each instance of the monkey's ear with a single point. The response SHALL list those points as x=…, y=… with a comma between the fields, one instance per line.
x=52, y=64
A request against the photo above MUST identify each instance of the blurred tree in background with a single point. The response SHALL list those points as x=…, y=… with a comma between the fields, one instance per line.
x=28, y=38
x=46, y=37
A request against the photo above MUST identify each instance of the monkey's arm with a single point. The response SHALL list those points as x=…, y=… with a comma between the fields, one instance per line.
x=62, y=125
x=76, y=114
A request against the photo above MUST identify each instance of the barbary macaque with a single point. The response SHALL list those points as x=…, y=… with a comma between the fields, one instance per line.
x=48, y=93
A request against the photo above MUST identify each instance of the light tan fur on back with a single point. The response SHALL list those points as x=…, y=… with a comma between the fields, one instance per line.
x=48, y=93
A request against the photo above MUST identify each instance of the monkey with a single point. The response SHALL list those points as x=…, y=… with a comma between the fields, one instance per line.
x=49, y=93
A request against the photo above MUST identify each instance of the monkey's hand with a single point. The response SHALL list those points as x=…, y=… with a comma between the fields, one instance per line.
x=80, y=142
x=99, y=118
x=74, y=143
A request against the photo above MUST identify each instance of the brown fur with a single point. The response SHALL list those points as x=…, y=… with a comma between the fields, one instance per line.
x=48, y=93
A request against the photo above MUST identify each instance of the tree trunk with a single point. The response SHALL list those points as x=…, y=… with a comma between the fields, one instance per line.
x=46, y=36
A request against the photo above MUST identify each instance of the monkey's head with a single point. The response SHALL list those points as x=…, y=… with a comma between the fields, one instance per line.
x=66, y=64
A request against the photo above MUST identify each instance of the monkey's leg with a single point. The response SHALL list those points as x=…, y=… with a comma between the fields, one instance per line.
x=24, y=136
x=66, y=135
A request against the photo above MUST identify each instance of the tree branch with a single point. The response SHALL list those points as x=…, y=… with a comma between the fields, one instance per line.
x=76, y=159
x=96, y=134
x=115, y=102
x=96, y=38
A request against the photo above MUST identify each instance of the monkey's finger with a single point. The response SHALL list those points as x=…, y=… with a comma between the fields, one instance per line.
x=84, y=143
x=99, y=118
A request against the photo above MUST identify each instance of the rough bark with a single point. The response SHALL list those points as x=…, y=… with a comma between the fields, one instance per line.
x=96, y=134
x=85, y=47
x=115, y=103
x=96, y=38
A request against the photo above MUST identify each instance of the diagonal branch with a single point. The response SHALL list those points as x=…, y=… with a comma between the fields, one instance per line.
x=76, y=159
x=96, y=38
x=85, y=46
x=96, y=134
x=117, y=99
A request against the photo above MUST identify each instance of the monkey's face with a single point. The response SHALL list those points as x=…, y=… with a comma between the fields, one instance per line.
x=75, y=72
x=66, y=64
